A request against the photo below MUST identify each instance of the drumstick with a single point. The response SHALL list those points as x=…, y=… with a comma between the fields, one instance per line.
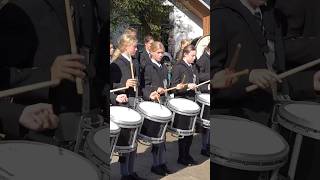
x=132, y=74
x=118, y=89
x=289, y=73
x=233, y=75
x=235, y=57
x=203, y=83
x=23, y=89
x=72, y=42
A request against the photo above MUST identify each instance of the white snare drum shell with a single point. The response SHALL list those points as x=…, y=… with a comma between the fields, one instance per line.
x=36, y=161
x=204, y=98
x=114, y=128
x=124, y=115
x=184, y=105
x=153, y=109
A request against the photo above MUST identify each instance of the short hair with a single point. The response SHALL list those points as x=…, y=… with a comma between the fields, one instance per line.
x=188, y=49
x=148, y=38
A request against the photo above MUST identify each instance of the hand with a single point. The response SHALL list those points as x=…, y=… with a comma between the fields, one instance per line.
x=192, y=86
x=181, y=86
x=160, y=90
x=221, y=79
x=263, y=78
x=154, y=96
x=131, y=83
x=316, y=81
x=122, y=98
x=67, y=67
x=39, y=117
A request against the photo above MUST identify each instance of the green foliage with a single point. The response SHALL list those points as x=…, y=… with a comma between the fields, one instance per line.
x=149, y=14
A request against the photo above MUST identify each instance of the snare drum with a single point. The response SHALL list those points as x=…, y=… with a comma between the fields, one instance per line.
x=156, y=118
x=20, y=160
x=130, y=122
x=114, y=134
x=184, y=116
x=302, y=118
x=242, y=149
x=97, y=149
x=204, y=100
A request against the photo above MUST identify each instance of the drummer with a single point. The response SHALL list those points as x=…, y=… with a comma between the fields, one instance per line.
x=203, y=66
x=186, y=68
x=121, y=77
x=156, y=77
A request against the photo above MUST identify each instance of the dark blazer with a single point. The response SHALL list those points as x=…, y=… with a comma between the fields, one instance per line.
x=33, y=35
x=144, y=58
x=203, y=65
x=233, y=23
x=182, y=69
x=153, y=78
x=301, y=32
x=120, y=72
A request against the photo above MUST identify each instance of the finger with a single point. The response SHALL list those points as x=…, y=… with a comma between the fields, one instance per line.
x=67, y=76
x=276, y=77
x=44, y=117
x=38, y=122
x=53, y=121
x=74, y=72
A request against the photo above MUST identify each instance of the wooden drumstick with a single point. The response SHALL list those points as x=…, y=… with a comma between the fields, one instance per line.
x=32, y=87
x=234, y=75
x=289, y=73
x=132, y=73
x=235, y=57
x=173, y=88
x=73, y=44
x=203, y=83
x=118, y=89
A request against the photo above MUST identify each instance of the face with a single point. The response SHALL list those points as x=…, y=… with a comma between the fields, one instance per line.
x=148, y=44
x=157, y=55
x=190, y=57
x=132, y=49
x=111, y=49
x=256, y=3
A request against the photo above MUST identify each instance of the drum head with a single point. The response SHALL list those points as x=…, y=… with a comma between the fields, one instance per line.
x=37, y=161
x=184, y=105
x=243, y=140
x=125, y=116
x=202, y=43
x=304, y=114
x=204, y=98
x=114, y=128
x=97, y=141
x=155, y=110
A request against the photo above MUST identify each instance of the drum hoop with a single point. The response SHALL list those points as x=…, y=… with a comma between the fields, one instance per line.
x=201, y=100
x=250, y=157
x=94, y=148
x=179, y=111
x=295, y=121
x=124, y=123
x=116, y=131
x=154, y=117
x=202, y=37
x=66, y=150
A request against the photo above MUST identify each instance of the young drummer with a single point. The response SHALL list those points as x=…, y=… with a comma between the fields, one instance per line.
x=185, y=68
x=122, y=77
x=156, y=77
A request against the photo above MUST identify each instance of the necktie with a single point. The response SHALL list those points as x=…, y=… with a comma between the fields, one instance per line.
x=258, y=17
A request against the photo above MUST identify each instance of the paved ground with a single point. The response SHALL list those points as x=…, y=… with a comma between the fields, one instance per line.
x=144, y=161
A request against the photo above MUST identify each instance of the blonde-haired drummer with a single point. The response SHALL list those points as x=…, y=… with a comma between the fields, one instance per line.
x=121, y=77
x=156, y=78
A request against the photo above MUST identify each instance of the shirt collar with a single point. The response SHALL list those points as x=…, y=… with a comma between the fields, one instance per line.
x=126, y=56
x=187, y=63
x=156, y=62
x=247, y=5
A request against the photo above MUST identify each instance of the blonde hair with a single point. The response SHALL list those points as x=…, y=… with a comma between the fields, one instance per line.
x=156, y=45
x=124, y=41
x=130, y=30
x=184, y=43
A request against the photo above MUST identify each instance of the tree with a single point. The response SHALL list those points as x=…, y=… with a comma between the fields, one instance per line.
x=150, y=14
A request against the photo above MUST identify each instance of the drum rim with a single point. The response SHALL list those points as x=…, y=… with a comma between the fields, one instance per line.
x=94, y=148
x=201, y=100
x=94, y=167
x=244, y=156
x=116, y=131
x=124, y=123
x=179, y=111
x=154, y=117
x=294, y=120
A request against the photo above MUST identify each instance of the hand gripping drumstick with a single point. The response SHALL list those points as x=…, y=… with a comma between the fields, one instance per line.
x=72, y=42
x=173, y=88
x=289, y=73
x=23, y=89
x=132, y=74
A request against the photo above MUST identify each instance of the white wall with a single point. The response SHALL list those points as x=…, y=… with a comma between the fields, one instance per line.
x=186, y=24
